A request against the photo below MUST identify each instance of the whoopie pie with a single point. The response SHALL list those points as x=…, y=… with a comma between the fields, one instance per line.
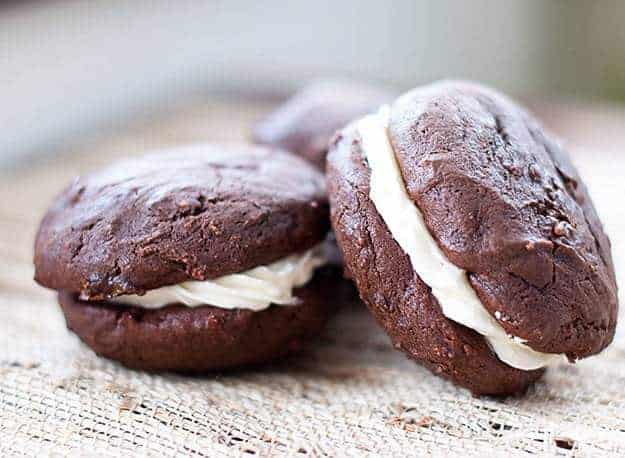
x=199, y=258
x=471, y=237
x=306, y=122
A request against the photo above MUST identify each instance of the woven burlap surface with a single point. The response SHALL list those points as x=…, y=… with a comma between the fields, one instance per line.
x=348, y=394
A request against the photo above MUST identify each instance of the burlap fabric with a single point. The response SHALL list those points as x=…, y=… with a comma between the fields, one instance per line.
x=349, y=394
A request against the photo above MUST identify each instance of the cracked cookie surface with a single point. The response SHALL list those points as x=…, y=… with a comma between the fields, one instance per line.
x=505, y=204
x=192, y=213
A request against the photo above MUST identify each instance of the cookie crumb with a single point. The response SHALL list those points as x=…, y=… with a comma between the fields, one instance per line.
x=562, y=229
x=500, y=316
x=534, y=172
x=564, y=442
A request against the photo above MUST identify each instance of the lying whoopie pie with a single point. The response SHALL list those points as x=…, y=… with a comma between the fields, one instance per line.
x=200, y=258
x=308, y=120
x=471, y=237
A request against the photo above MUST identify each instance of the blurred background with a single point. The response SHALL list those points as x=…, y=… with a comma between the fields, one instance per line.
x=71, y=69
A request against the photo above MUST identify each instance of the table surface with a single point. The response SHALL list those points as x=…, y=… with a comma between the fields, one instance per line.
x=349, y=393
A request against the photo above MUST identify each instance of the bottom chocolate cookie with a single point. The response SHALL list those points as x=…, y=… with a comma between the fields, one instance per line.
x=206, y=338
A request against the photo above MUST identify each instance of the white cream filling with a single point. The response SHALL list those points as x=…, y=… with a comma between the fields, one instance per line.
x=449, y=284
x=255, y=289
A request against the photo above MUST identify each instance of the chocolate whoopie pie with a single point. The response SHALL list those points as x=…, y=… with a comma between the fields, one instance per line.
x=305, y=123
x=471, y=237
x=200, y=258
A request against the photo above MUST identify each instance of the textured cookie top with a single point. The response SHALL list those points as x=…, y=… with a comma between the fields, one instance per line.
x=191, y=213
x=505, y=204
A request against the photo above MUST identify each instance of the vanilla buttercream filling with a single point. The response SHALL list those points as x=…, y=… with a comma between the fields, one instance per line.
x=254, y=289
x=449, y=284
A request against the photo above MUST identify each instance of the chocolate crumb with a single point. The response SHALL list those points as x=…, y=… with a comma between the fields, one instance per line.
x=562, y=229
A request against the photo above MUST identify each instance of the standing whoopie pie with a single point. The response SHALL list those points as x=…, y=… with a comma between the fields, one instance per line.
x=201, y=258
x=308, y=120
x=471, y=237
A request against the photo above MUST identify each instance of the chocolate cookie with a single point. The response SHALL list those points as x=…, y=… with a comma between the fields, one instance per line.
x=193, y=259
x=471, y=237
x=204, y=338
x=306, y=122
x=194, y=213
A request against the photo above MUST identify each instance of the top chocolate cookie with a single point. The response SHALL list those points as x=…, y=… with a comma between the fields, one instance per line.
x=193, y=213
x=504, y=203
x=306, y=122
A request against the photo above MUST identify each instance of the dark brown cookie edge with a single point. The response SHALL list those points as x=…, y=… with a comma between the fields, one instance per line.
x=202, y=339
